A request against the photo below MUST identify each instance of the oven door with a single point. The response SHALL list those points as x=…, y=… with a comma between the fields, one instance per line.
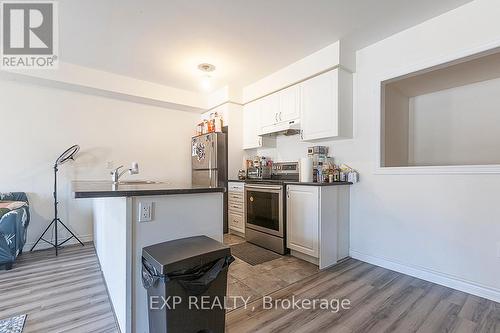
x=264, y=208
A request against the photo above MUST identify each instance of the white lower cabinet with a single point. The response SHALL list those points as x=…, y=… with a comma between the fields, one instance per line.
x=237, y=222
x=317, y=220
x=236, y=207
x=302, y=219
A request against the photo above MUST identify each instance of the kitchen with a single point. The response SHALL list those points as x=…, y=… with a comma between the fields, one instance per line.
x=276, y=222
x=346, y=151
x=298, y=207
x=290, y=113
x=276, y=215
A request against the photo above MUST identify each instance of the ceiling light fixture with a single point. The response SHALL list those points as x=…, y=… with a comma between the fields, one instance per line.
x=207, y=68
x=206, y=79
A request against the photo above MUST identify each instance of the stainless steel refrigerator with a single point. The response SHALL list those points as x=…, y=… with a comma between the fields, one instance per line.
x=209, y=163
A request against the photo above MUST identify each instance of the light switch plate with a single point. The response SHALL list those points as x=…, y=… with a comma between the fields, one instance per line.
x=145, y=211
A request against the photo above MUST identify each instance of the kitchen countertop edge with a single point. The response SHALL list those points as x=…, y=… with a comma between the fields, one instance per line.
x=318, y=184
x=297, y=183
x=144, y=192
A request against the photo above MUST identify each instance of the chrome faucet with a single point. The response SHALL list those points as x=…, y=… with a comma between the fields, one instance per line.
x=116, y=174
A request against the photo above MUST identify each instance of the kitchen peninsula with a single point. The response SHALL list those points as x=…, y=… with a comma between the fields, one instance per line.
x=131, y=216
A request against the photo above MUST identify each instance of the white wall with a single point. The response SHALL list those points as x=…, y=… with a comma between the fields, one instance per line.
x=81, y=78
x=445, y=226
x=234, y=116
x=39, y=123
x=291, y=148
x=457, y=126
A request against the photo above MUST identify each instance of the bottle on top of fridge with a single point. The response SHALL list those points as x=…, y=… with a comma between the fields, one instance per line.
x=217, y=123
x=211, y=123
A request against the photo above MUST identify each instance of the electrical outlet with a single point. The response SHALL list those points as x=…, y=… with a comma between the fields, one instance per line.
x=145, y=211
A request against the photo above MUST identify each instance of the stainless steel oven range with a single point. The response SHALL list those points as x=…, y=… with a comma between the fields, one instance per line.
x=265, y=223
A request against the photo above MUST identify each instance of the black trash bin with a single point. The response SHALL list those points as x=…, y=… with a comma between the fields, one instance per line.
x=186, y=282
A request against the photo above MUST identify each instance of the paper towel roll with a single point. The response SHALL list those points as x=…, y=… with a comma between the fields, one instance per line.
x=306, y=169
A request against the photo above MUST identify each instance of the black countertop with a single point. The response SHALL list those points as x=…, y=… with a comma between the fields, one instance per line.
x=318, y=184
x=106, y=189
x=288, y=182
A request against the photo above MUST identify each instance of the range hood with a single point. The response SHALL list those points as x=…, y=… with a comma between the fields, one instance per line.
x=291, y=127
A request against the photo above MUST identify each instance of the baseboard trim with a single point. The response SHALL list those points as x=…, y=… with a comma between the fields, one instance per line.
x=42, y=245
x=431, y=276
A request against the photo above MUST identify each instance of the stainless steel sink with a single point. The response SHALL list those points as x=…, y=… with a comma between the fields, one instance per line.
x=138, y=182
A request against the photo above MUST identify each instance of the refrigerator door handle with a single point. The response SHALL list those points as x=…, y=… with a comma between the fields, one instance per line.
x=210, y=163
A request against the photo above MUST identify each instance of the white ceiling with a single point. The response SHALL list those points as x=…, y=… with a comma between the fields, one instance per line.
x=164, y=40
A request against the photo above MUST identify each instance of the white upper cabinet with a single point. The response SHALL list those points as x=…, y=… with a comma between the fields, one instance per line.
x=289, y=104
x=323, y=104
x=252, y=125
x=313, y=94
x=319, y=104
x=326, y=102
x=270, y=111
x=279, y=108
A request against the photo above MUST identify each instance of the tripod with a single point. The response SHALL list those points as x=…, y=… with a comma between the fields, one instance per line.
x=67, y=155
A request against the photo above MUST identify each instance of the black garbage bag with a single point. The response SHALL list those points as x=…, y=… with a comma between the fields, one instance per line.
x=150, y=276
x=195, y=281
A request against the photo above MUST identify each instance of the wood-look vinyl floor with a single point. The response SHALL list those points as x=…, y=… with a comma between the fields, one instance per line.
x=67, y=294
x=253, y=282
x=60, y=294
x=381, y=301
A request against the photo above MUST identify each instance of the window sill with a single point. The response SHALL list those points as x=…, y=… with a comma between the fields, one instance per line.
x=439, y=170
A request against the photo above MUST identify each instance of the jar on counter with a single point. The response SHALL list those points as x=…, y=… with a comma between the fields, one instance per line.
x=336, y=175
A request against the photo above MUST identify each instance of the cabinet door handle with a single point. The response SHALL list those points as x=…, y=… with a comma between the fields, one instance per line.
x=275, y=117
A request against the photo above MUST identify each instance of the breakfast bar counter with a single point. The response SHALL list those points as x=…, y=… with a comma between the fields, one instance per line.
x=131, y=216
x=102, y=189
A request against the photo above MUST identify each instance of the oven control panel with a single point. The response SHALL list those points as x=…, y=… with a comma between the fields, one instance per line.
x=281, y=168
